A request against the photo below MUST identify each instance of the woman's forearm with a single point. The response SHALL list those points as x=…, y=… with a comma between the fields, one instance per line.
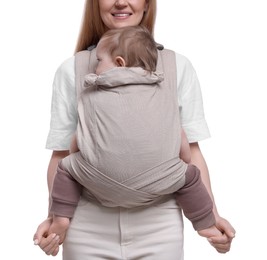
x=55, y=158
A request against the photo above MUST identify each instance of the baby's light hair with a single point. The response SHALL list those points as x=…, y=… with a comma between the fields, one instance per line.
x=134, y=44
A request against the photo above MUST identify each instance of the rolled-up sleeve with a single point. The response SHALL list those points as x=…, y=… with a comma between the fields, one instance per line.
x=190, y=101
x=63, y=121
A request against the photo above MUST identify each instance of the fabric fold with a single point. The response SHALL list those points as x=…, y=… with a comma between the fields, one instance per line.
x=141, y=189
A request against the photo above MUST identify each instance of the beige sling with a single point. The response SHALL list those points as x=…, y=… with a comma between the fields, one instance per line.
x=146, y=186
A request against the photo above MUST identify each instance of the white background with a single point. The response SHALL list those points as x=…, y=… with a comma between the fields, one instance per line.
x=226, y=43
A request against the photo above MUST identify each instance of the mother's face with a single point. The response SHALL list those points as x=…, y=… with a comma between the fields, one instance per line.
x=121, y=13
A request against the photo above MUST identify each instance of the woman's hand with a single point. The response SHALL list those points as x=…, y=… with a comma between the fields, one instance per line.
x=59, y=226
x=48, y=243
x=223, y=243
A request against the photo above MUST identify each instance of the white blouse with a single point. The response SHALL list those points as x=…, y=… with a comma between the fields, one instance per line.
x=64, y=104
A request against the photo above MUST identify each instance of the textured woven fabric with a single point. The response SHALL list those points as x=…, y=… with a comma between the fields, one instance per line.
x=128, y=136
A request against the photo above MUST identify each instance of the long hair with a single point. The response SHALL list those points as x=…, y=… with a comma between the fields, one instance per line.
x=92, y=26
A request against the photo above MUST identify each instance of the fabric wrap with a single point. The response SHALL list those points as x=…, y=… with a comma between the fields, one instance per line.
x=143, y=189
x=128, y=133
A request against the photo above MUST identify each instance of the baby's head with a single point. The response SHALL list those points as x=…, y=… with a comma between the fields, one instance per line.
x=131, y=46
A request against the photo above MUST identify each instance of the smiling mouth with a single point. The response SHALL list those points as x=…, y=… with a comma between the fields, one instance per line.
x=121, y=15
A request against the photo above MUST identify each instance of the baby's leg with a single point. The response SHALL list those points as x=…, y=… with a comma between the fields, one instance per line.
x=65, y=193
x=195, y=201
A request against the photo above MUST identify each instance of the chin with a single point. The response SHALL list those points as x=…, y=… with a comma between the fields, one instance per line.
x=124, y=24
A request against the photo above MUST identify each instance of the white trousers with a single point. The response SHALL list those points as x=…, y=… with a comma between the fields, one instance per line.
x=148, y=233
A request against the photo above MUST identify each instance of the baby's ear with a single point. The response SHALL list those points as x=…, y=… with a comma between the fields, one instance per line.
x=120, y=62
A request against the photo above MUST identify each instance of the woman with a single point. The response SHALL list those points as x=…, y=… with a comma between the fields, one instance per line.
x=118, y=233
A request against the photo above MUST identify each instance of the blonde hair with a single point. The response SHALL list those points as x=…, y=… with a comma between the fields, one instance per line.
x=134, y=44
x=92, y=26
